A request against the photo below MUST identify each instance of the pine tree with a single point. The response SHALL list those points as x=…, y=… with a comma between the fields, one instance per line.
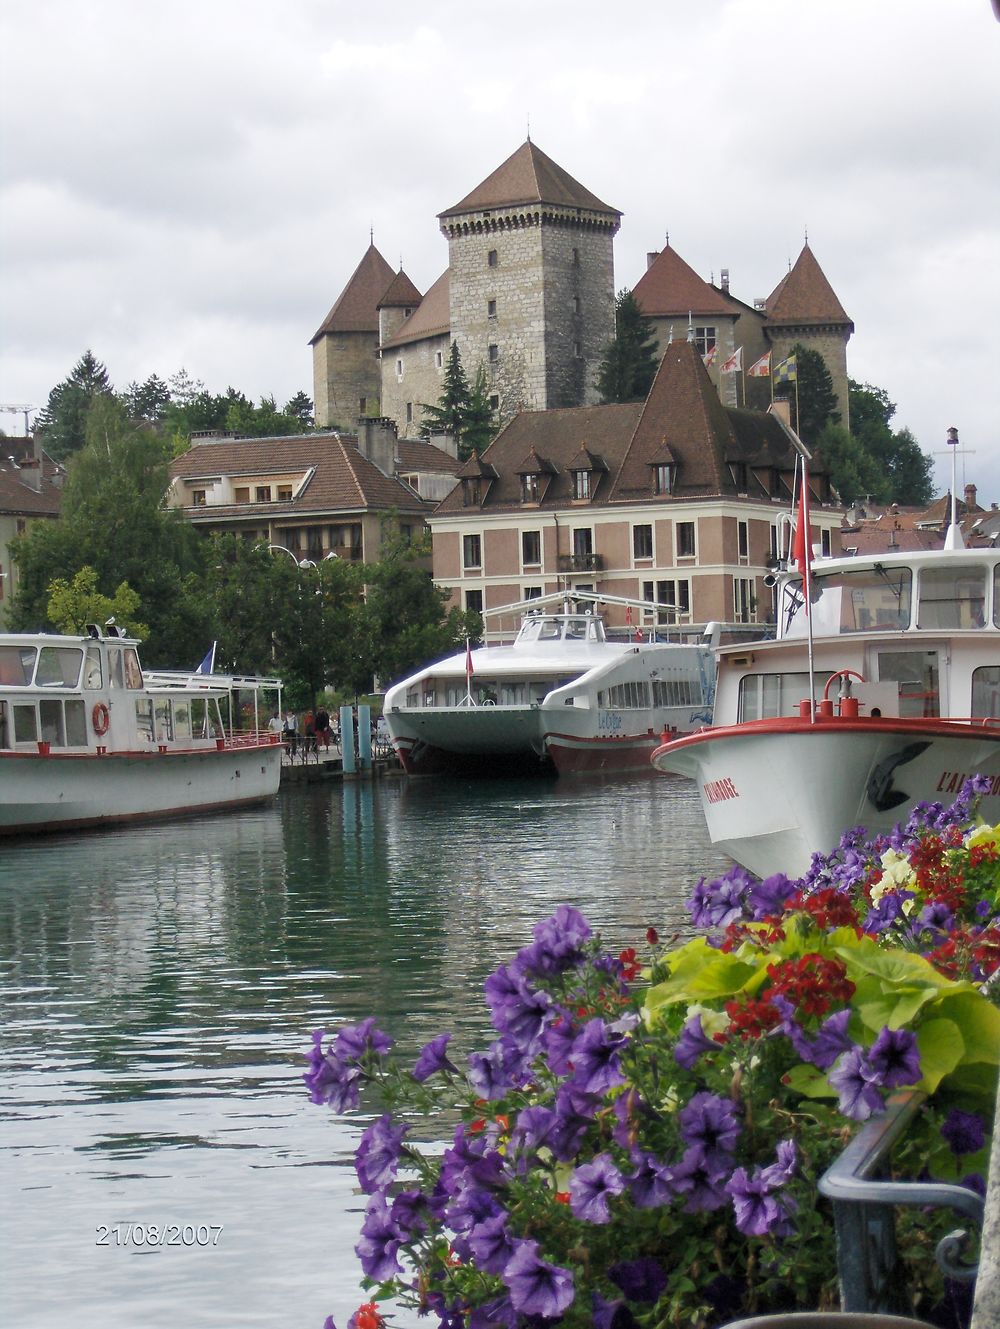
x=448, y=416
x=64, y=418
x=817, y=401
x=630, y=362
x=479, y=426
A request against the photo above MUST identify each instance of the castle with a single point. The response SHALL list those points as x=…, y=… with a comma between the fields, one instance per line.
x=529, y=295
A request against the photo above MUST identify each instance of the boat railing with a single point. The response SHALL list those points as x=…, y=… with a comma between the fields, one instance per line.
x=253, y=738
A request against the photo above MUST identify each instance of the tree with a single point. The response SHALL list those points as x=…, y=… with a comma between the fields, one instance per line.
x=854, y=473
x=817, y=401
x=300, y=408
x=63, y=420
x=72, y=605
x=630, y=361
x=315, y=623
x=147, y=401
x=479, y=428
x=905, y=470
x=448, y=416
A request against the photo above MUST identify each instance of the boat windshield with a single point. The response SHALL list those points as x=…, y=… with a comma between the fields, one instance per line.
x=867, y=600
x=16, y=665
x=558, y=627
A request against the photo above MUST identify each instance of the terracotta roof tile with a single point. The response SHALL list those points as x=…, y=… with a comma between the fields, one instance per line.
x=417, y=454
x=401, y=293
x=804, y=296
x=356, y=309
x=528, y=176
x=432, y=317
x=669, y=288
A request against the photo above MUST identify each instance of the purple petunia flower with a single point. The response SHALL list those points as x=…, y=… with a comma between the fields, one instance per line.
x=963, y=1132
x=409, y=1212
x=378, y=1154
x=717, y=903
x=519, y=1011
x=700, y=1182
x=380, y=1241
x=711, y=1124
x=758, y=1211
x=854, y=1081
x=831, y=1040
x=894, y=1058
x=768, y=897
x=557, y=1041
x=495, y=1314
x=329, y=1079
x=353, y=1041
x=643, y=1279
x=596, y=1066
x=501, y=1068
x=432, y=1059
x=575, y=1111
x=491, y=1244
x=558, y=943
x=591, y=1186
x=471, y=1206
x=693, y=1041
x=537, y=1287
x=606, y=1314
x=649, y=1183
x=532, y=1128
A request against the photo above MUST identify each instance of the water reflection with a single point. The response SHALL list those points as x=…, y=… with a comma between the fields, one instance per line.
x=159, y=985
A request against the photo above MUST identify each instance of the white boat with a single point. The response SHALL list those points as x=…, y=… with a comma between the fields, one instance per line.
x=886, y=694
x=561, y=694
x=87, y=740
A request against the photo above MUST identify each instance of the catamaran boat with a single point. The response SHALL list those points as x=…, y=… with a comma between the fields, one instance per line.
x=87, y=740
x=881, y=689
x=562, y=694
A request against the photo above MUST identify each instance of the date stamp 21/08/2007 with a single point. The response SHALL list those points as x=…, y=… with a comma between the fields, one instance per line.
x=158, y=1234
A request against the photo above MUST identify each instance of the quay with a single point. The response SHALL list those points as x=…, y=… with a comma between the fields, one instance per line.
x=354, y=757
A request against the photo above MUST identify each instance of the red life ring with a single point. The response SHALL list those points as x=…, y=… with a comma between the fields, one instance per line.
x=100, y=718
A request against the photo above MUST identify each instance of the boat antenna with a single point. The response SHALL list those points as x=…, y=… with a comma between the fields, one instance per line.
x=953, y=540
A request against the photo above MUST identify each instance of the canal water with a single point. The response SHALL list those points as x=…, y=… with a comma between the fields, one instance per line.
x=160, y=1162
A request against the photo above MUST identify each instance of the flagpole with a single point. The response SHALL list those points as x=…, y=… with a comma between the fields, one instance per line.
x=807, y=578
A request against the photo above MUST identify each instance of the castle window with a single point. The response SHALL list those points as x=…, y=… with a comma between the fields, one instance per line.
x=704, y=339
x=491, y=309
x=642, y=542
x=493, y=352
x=438, y=359
x=576, y=304
x=531, y=548
x=494, y=402
x=581, y=484
x=577, y=350
x=262, y=494
x=241, y=494
x=529, y=488
x=399, y=370
x=362, y=406
x=825, y=538
x=685, y=539
x=409, y=412
x=491, y=258
x=576, y=258
x=471, y=552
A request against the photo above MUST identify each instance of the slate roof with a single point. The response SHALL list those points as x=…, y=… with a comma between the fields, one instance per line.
x=681, y=421
x=343, y=480
x=669, y=288
x=431, y=318
x=356, y=308
x=804, y=297
x=528, y=177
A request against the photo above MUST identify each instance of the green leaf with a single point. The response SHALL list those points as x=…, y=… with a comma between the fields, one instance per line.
x=979, y=1021
x=700, y=973
x=809, y=1081
x=941, y=1049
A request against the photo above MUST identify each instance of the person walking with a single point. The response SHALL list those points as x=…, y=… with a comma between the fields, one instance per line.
x=323, y=729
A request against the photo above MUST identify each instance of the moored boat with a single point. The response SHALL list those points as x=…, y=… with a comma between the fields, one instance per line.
x=562, y=694
x=881, y=690
x=87, y=740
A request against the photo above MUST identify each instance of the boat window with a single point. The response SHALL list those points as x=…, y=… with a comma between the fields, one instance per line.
x=144, y=716
x=25, y=724
x=93, y=674
x=50, y=718
x=4, y=741
x=766, y=696
x=551, y=629
x=164, y=720
x=76, y=723
x=996, y=596
x=869, y=600
x=677, y=692
x=16, y=664
x=133, y=674
x=986, y=692
x=58, y=667
x=117, y=679
x=917, y=674
x=952, y=597
x=529, y=629
x=182, y=720
x=199, y=718
x=576, y=629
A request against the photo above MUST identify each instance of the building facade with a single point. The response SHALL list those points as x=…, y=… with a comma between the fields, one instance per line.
x=30, y=491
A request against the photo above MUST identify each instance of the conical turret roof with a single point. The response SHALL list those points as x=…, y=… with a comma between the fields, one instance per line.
x=804, y=296
x=356, y=309
x=402, y=294
x=529, y=176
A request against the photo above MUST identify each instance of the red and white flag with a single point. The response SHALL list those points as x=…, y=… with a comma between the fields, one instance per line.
x=760, y=368
x=469, y=671
x=709, y=357
x=802, y=543
x=734, y=363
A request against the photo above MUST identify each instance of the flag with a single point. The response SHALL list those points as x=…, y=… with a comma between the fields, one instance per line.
x=469, y=671
x=734, y=363
x=760, y=368
x=787, y=371
x=207, y=665
x=802, y=545
x=709, y=357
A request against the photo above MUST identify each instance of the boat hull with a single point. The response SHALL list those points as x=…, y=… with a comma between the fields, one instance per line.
x=432, y=740
x=774, y=792
x=55, y=791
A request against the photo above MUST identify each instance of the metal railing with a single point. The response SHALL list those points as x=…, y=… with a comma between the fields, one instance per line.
x=864, y=1204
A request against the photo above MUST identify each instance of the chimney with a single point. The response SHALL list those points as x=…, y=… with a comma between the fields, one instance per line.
x=724, y=280
x=447, y=443
x=651, y=258
x=377, y=442
x=970, y=497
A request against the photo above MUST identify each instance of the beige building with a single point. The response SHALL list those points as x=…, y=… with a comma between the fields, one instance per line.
x=677, y=500
x=30, y=491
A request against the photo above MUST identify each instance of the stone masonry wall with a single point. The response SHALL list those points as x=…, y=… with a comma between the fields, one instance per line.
x=831, y=343
x=345, y=370
x=420, y=383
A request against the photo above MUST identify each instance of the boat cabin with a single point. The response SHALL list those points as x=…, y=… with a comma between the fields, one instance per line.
x=550, y=628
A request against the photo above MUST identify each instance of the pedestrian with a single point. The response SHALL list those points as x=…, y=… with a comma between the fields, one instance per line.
x=309, y=732
x=323, y=728
x=290, y=733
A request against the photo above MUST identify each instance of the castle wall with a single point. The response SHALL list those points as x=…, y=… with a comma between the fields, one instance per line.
x=420, y=382
x=831, y=343
x=345, y=378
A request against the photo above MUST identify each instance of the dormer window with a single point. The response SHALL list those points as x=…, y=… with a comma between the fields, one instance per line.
x=738, y=470
x=581, y=484
x=775, y=482
x=529, y=488
x=664, y=477
x=199, y=497
x=472, y=491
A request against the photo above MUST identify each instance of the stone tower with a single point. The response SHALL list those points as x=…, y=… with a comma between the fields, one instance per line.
x=346, y=379
x=803, y=308
x=531, y=264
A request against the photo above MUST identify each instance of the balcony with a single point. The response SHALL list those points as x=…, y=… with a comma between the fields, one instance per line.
x=581, y=562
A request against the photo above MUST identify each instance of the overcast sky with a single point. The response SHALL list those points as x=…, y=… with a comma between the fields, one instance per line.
x=191, y=185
